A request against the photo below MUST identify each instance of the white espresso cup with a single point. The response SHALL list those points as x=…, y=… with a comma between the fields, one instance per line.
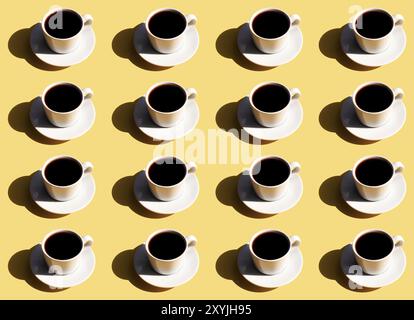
x=270, y=250
x=59, y=109
x=270, y=177
x=166, y=29
x=270, y=103
x=373, y=250
x=269, y=29
x=62, y=250
x=166, y=177
x=63, y=176
x=167, y=249
x=375, y=37
x=166, y=103
x=59, y=19
x=373, y=177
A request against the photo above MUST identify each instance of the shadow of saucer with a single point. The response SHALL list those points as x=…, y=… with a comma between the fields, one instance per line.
x=123, y=268
x=330, y=120
x=19, y=46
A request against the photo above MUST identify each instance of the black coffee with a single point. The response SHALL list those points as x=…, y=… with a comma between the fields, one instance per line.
x=374, y=24
x=271, y=172
x=63, y=24
x=167, y=245
x=167, y=24
x=63, y=245
x=169, y=172
x=63, y=171
x=271, y=245
x=374, y=245
x=271, y=98
x=271, y=24
x=374, y=171
x=64, y=98
x=167, y=98
x=374, y=98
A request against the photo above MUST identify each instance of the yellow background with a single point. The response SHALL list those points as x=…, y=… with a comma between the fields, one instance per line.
x=118, y=151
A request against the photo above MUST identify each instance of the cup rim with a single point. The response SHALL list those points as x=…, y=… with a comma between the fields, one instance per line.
x=152, y=235
x=159, y=84
x=259, y=233
x=264, y=10
x=154, y=160
x=56, y=158
x=53, y=85
x=260, y=85
x=57, y=10
x=368, y=10
x=359, y=235
x=265, y=158
x=372, y=157
x=366, y=84
x=153, y=13
x=51, y=233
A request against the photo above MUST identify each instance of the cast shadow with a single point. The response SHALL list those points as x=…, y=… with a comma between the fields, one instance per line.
x=330, y=47
x=123, y=47
x=226, y=46
x=19, y=120
x=123, y=194
x=123, y=268
x=19, y=46
x=330, y=120
x=19, y=267
x=19, y=194
x=226, y=267
x=226, y=193
x=330, y=194
x=123, y=120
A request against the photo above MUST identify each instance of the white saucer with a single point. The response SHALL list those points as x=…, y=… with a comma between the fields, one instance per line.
x=354, y=200
x=355, y=273
x=44, y=53
x=149, y=54
x=251, y=274
x=249, y=197
x=47, y=129
x=41, y=270
x=145, y=197
x=248, y=122
x=351, y=48
x=146, y=273
x=150, y=128
x=250, y=52
x=43, y=200
x=355, y=127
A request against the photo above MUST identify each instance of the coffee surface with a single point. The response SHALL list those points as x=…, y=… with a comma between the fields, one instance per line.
x=167, y=245
x=374, y=24
x=167, y=98
x=167, y=173
x=271, y=172
x=63, y=24
x=374, y=98
x=63, y=245
x=167, y=24
x=374, y=245
x=271, y=24
x=374, y=172
x=63, y=172
x=271, y=245
x=63, y=98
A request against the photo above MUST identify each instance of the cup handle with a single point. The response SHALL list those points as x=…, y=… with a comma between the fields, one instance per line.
x=398, y=241
x=87, y=93
x=398, y=20
x=191, y=19
x=295, y=241
x=191, y=240
x=295, y=93
x=87, y=19
x=191, y=167
x=295, y=167
x=87, y=241
x=295, y=19
x=398, y=167
x=191, y=93
x=398, y=93
x=87, y=167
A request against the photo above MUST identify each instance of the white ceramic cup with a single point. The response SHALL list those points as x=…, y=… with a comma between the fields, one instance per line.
x=380, y=192
x=272, y=45
x=65, y=119
x=171, y=266
x=271, y=267
x=169, y=45
x=272, y=119
x=272, y=193
x=65, y=193
x=374, y=45
x=168, y=119
x=378, y=266
x=62, y=267
x=168, y=193
x=63, y=45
